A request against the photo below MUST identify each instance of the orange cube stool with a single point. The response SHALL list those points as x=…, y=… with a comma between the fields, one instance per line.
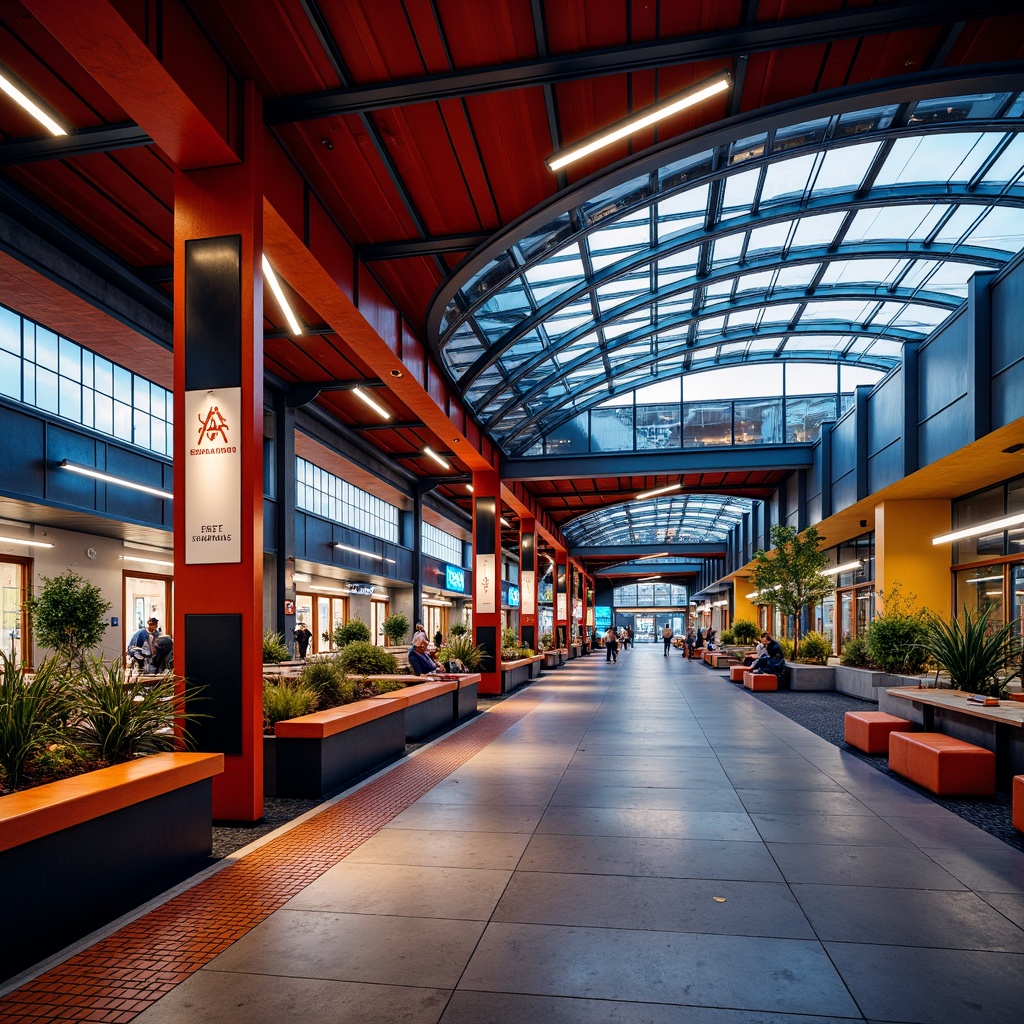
x=1018, y=802
x=869, y=730
x=736, y=673
x=943, y=764
x=760, y=681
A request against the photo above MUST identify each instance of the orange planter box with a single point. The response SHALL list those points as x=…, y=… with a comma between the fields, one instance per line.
x=943, y=764
x=869, y=730
x=760, y=681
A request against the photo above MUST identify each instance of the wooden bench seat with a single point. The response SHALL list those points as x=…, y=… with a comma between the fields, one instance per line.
x=1018, y=802
x=736, y=673
x=943, y=764
x=760, y=681
x=869, y=730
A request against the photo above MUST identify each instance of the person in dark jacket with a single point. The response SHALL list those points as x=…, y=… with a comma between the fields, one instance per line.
x=773, y=660
x=420, y=661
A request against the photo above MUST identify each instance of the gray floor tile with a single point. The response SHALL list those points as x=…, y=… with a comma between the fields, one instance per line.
x=876, y=866
x=799, y=801
x=213, y=997
x=668, y=858
x=776, y=975
x=838, y=829
x=907, y=917
x=928, y=830
x=398, y=890
x=664, y=904
x=355, y=947
x=699, y=773
x=1009, y=904
x=612, y=821
x=469, y=817
x=931, y=986
x=999, y=869
x=442, y=848
x=467, y=791
x=704, y=798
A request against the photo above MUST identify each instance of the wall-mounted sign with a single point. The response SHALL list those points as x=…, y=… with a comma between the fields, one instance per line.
x=545, y=593
x=289, y=607
x=454, y=579
x=529, y=593
x=486, y=585
x=213, y=476
x=513, y=597
x=560, y=612
x=361, y=589
x=602, y=617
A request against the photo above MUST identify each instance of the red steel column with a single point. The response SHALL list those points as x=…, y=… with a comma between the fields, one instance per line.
x=560, y=602
x=528, y=582
x=487, y=574
x=218, y=462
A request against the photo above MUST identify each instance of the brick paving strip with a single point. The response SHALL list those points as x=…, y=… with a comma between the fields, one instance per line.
x=126, y=972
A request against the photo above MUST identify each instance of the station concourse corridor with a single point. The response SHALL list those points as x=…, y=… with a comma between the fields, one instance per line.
x=631, y=842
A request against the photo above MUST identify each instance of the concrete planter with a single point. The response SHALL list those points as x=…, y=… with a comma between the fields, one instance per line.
x=865, y=683
x=515, y=673
x=552, y=659
x=811, y=677
x=87, y=849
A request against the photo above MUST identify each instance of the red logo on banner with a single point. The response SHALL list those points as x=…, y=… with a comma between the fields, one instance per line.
x=213, y=425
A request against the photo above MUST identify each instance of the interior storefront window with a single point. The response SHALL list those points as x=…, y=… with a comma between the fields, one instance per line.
x=379, y=610
x=979, y=508
x=13, y=620
x=322, y=614
x=146, y=596
x=981, y=590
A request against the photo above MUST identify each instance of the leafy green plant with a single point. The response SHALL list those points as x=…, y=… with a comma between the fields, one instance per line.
x=977, y=660
x=727, y=637
x=68, y=616
x=462, y=648
x=545, y=641
x=351, y=631
x=509, y=639
x=395, y=628
x=361, y=658
x=274, y=649
x=787, y=646
x=326, y=678
x=387, y=685
x=122, y=719
x=898, y=638
x=855, y=652
x=745, y=631
x=32, y=714
x=458, y=629
x=815, y=648
x=283, y=700
x=792, y=577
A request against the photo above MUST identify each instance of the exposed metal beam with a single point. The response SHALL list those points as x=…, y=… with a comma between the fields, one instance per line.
x=438, y=245
x=704, y=46
x=751, y=458
x=87, y=140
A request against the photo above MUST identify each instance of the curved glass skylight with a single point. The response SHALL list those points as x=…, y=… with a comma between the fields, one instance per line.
x=668, y=519
x=837, y=239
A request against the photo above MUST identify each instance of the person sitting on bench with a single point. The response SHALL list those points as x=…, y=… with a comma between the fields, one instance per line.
x=773, y=661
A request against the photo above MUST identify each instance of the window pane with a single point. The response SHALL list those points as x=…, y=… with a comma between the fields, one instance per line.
x=657, y=426
x=758, y=422
x=611, y=430
x=707, y=424
x=10, y=375
x=804, y=417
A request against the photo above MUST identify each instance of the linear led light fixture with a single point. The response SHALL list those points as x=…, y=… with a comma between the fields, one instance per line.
x=647, y=579
x=644, y=119
x=327, y=590
x=431, y=454
x=505, y=522
x=29, y=106
x=985, y=579
x=845, y=567
x=660, y=490
x=660, y=554
x=469, y=487
x=372, y=403
x=120, y=481
x=993, y=526
x=365, y=554
x=146, y=561
x=721, y=604
x=301, y=577
x=275, y=287
x=27, y=543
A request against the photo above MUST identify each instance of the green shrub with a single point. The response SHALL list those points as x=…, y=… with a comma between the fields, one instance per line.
x=815, y=648
x=462, y=648
x=787, y=646
x=69, y=615
x=361, y=658
x=745, y=631
x=33, y=714
x=283, y=700
x=727, y=637
x=387, y=685
x=509, y=639
x=898, y=638
x=977, y=660
x=274, y=649
x=122, y=719
x=326, y=678
x=395, y=628
x=546, y=641
x=353, y=630
x=855, y=653
x=458, y=629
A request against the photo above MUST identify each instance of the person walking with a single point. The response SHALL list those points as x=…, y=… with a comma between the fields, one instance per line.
x=666, y=638
x=302, y=637
x=611, y=645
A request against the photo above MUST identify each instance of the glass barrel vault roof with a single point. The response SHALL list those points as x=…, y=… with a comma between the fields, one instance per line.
x=839, y=238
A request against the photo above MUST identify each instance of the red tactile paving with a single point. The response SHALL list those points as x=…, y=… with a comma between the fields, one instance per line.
x=125, y=973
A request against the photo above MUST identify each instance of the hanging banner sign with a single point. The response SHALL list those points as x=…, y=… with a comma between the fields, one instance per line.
x=486, y=586
x=560, y=611
x=528, y=593
x=213, y=476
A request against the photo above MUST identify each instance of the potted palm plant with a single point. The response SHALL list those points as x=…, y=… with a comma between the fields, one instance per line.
x=977, y=659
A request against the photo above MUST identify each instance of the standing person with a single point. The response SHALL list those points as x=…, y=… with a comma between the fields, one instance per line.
x=629, y=637
x=438, y=640
x=302, y=637
x=611, y=645
x=689, y=644
x=699, y=642
x=710, y=638
x=666, y=638
x=140, y=646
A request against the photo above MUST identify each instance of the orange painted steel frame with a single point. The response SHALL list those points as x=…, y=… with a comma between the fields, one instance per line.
x=1018, y=802
x=212, y=203
x=487, y=484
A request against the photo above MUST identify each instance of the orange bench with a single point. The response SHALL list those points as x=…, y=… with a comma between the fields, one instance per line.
x=736, y=673
x=869, y=730
x=943, y=764
x=1018, y=802
x=760, y=681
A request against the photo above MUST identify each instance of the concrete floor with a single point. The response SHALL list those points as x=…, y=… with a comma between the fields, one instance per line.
x=648, y=844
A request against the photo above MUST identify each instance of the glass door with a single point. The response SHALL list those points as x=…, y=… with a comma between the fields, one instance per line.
x=14, y=637
x=378, y=613
x=145, y=596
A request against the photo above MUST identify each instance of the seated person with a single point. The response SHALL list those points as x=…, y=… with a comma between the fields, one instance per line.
x=420, y=661
x=163, y=655
x=772, y=661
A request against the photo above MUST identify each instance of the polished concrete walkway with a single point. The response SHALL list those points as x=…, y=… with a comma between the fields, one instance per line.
x=637, y=842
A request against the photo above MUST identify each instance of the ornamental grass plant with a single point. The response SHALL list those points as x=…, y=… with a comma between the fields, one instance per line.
x=33, y=715
x=978, y=659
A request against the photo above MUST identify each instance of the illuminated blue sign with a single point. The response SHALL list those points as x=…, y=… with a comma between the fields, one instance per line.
x=602, y=618
x=454, y=579
x=513, y=597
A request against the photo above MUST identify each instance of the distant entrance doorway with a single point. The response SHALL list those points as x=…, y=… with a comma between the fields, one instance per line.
x=14, y=576
x=146, y=596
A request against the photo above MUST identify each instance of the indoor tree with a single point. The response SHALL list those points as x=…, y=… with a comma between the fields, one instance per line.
x=68, y=616
x=791, y=576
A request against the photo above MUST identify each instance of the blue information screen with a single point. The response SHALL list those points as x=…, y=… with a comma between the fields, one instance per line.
x=602, y=618
x=454, y=579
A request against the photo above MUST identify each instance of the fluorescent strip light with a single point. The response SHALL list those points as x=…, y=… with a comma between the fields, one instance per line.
x=372, y=403
x=660, y=554
x=327, y=590
x=431, y=454
x=985, y=579
x=973, y=531
x=30, y=107
x=845, y=567
x=660, y=490
x=647, y=579
x=146, y=561
x=107, y=478
x=27, y=543
x=505, y=522
x=652, y=115
x=469, y=487
x=721, y=604
x=275, y=287
x=365, y=554
x=993, y=593
x=301, y=577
